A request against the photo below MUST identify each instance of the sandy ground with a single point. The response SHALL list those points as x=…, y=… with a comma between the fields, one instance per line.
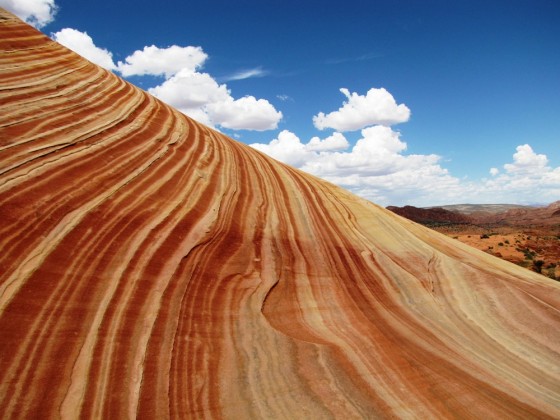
x=524, y=246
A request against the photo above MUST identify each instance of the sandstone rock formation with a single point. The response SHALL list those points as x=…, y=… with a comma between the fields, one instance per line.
x=152, y=267
x=544, y=216
x=434, y=215
x=454, y=214
x=503, y=214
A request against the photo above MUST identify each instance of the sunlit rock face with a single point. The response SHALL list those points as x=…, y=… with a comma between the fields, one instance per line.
x=152, y=267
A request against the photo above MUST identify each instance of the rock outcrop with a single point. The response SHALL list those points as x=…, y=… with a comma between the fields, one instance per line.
x=152, y=267
x=544, y=216
x=435, y=215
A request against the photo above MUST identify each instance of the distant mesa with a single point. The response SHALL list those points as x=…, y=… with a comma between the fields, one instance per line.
x=432, y=215
x=153, y=267
x=503, y=214
x=482, y=208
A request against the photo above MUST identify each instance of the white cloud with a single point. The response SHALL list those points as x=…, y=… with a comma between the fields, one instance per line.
x=375, y=168
x=35, y=12
x=187, y=90
x=286, y=148
x=197, y=94
x=289, y=149
x=332, y=143
x=377, y=107
x=247, y=74
x=528, y=179
x=284, y=98
x=244, y=113
x=526, y=161
x=192, y=92
x=378, y=152
x=202, y=98
x=162, y=61
x=378, y=169
x=81, y=43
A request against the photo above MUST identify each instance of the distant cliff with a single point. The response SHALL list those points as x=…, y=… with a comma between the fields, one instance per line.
x=429, y=216
x=501, y=214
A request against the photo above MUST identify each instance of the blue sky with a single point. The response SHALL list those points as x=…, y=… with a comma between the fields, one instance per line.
x=442, y=102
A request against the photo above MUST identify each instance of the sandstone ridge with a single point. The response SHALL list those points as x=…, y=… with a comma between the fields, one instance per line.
x=433, y=215
x=152, y=267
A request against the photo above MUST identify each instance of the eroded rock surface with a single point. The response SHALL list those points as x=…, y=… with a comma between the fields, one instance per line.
x=152, y=267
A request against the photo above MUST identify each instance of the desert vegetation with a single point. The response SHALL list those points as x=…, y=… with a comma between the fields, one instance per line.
x=526, y=236
x=536, y=248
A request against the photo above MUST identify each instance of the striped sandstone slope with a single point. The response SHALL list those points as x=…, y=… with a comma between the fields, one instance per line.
x=152, y=267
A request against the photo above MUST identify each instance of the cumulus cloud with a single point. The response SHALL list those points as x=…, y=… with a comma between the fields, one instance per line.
x=162, y=61
x=198, y=94
x=375, y=168
x=526, y=161
x=286, y=148
x=81, y=43
x=378, y=152
x=202, y=98
x=243, y=113
x=35, y=12
x=378, y=168
x=528, y=179
x=376, y=107
x=187, y=90
x=529, y=175
x=289, y=149
x=332, y=143
x=185, y=87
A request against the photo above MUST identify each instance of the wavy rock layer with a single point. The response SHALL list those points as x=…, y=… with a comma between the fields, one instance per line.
x=152, y=267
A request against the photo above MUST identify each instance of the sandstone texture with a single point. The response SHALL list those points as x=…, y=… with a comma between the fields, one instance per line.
x=152, y=267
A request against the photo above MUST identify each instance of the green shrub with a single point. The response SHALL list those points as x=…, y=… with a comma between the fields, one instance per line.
x=537, y=265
